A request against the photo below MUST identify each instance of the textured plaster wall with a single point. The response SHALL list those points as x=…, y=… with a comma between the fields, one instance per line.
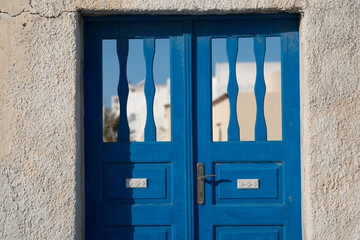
x=40, y=110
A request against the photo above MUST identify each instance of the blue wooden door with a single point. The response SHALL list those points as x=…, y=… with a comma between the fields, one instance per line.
x=149, y=190
x=255, y=193
x=135, y=190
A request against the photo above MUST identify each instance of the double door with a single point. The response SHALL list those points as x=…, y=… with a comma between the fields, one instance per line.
x=192, y=186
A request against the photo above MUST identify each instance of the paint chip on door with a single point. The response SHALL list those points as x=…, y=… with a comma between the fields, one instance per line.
x=136, y=183
x=248, y=184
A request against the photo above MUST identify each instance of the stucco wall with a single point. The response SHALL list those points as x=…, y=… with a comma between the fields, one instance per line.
x=40, y=114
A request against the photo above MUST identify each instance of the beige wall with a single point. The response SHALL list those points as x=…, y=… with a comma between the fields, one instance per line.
x=246, y=113
x=41, y=124
x=220, y=119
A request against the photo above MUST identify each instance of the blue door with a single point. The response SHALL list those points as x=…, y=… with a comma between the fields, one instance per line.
x=192, y=187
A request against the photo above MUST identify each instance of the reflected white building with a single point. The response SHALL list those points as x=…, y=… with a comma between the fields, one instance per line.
x=137, y=112
x=246, y=105
x=246, y=75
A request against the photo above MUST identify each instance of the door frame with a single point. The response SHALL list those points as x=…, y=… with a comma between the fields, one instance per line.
x=189, y=103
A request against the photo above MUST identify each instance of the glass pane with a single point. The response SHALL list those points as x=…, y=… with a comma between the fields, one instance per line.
x=136, y=100
x=272, y=74
x=136, y=110
x=220, y=99
x=246, y=75
x=136, y=105
x=111, y=106
x=162, y=93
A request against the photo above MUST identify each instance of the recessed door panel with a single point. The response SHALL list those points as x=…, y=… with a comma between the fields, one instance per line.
x=138, y=183
x=126, y=233
x=248, y=183
x=249, y=233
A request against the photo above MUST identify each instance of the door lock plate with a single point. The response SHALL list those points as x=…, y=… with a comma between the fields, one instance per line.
x=200, y=183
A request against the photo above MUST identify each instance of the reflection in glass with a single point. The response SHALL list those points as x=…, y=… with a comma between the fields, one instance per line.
x=246, y=75
x=136, y=102
x=162, y=93
x=272, y=103
x=111, y=105
x=220, y=99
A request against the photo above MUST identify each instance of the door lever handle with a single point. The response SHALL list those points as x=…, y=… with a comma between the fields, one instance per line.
x=200, y=183
x=205, y=176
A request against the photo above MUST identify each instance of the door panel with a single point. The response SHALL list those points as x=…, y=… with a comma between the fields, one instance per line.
x=150, y=233
x=253, y=184
x=253, y=233
x=134, y=190
x=248, y=183
x=155, y=177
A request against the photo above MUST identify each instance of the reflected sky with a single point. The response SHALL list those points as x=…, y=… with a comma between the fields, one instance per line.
x=136, y=62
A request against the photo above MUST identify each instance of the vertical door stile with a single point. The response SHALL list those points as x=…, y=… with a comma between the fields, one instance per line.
x=204, y=132
x=291, y=134
x=260, y=89
x=149, y=90
x=123, y=90
x=189, y=129
x=232, y=88
x=93, y=139
x=204, y=90
x=178, y=136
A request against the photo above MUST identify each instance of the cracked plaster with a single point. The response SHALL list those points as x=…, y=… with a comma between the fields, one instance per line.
x=40, y=114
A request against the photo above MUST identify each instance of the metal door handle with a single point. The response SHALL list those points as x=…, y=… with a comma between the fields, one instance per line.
x=205, y=176
x=200, y=183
